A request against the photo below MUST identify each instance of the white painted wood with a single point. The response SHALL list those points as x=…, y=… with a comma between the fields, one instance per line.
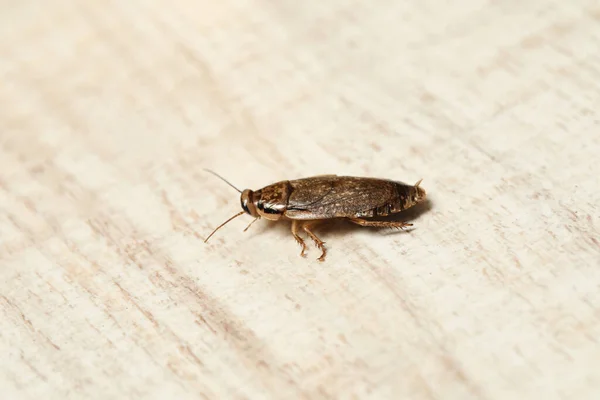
x=109, y=111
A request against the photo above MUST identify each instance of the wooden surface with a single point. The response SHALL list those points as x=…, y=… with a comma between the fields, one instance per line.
x=109, y=111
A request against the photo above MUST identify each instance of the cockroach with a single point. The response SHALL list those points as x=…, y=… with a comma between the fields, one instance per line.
x=308, y=201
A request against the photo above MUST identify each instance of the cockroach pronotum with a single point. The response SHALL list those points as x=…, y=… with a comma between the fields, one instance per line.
x=309, y=201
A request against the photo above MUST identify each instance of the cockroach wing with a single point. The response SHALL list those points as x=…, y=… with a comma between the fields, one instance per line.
x=338, y=196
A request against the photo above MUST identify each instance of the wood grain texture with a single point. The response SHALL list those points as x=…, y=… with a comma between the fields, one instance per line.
x=109, y=111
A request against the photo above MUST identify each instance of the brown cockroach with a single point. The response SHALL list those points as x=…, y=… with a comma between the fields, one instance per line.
x=309, y=201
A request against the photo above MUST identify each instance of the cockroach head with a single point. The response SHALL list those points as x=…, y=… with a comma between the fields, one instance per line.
x=247, y=202
x=420, y=194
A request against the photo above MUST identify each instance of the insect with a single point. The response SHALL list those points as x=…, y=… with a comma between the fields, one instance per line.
x=309, y=201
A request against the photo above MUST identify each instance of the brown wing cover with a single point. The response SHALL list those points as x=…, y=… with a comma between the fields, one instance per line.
x=343, y=196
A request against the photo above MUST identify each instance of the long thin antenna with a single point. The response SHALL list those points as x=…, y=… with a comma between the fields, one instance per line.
x=220, y=226
x=223, y=179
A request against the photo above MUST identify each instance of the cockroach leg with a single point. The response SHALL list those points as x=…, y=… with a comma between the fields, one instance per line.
x=295, y=224
x=318, y=242
x=250, y=224
x=380, y=224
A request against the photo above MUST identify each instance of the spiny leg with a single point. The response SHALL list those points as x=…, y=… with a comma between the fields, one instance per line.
x=380, y=224
x=295, y=224
x=318, y=242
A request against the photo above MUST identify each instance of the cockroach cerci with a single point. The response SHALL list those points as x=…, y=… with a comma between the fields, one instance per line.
x=308, y=201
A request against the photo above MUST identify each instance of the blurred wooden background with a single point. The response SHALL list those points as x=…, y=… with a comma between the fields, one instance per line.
x=110, y=110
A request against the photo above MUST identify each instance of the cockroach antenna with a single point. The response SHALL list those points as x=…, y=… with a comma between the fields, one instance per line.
x=223, y=179
x=223, y=224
